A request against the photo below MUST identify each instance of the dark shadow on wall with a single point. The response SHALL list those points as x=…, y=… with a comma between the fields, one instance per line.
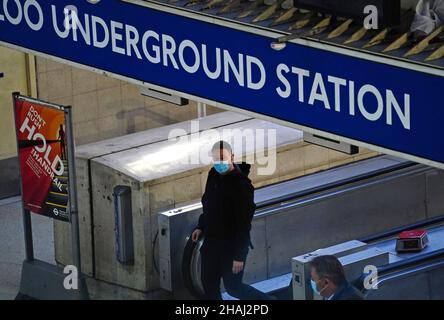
x=130, y=116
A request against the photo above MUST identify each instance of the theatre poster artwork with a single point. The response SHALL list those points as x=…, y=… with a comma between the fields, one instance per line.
x=42, y=149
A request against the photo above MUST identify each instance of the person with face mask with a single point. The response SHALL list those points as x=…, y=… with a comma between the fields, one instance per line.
x=328, y=279
x=228, y=208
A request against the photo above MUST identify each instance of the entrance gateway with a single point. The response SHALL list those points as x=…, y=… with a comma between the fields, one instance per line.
x=331, y=91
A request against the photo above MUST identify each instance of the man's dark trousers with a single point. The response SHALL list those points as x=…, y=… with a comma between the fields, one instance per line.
x=217, y=263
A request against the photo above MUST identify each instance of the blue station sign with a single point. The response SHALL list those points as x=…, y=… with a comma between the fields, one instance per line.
x=390, y=107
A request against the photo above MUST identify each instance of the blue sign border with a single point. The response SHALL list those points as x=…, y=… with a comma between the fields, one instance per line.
x=421, y=140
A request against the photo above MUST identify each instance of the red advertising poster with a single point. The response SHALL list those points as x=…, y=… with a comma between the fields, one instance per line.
x=42, y=154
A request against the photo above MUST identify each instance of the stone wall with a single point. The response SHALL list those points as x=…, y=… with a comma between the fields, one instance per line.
x=104, y=107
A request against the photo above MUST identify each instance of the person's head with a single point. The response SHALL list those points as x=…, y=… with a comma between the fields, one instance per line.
x=223, y=157
x=327, y=274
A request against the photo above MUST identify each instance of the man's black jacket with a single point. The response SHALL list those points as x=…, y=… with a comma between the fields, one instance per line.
x=228, y=208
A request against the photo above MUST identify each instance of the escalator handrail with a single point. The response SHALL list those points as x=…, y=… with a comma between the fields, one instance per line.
x=399, y=266
x=298, y=201
x=397, y=230
x=186, y=268
x=402, y=264
x=435, y=263
x=335, y=184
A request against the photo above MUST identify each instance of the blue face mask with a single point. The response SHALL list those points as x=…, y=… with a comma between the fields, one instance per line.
x=222, y=166
x=314, y=287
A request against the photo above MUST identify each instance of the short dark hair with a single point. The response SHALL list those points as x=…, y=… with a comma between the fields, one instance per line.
x=329, y=267
x=221, y=145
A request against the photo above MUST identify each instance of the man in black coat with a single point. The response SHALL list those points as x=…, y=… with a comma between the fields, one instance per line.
x=328, y=279
x=228, y=208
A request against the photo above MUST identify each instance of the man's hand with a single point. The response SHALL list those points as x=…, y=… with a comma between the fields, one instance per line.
x=237, y=266
x=196, y=234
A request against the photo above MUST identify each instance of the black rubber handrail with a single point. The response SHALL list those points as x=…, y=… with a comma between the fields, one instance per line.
x=397, y=230
x=400, y=266
x=334, y=184
x=186, y=269
x=410, y=262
